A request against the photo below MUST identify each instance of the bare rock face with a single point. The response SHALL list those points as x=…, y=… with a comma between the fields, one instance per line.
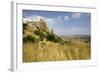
x=42, y=24
x=31, y=26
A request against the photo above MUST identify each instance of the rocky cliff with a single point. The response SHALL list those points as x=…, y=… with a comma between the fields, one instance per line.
x=34, y=31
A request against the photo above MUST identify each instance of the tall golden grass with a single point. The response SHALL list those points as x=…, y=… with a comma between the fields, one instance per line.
x=76, y=49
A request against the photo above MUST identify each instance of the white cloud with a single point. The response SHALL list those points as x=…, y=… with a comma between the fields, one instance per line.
x=33, y=18
x=54, y=21
x=37, y=18
x=76, y=15
x=87, y=14
x=66, y=18
x=59, y=17
x=50, y=21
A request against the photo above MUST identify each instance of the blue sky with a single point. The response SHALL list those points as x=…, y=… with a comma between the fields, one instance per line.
x=63, y=23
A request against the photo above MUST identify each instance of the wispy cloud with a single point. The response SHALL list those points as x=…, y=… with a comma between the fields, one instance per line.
x=33, y=18
x=51, y=22
x=76, y=15
x=62, y=23
x=66, y=18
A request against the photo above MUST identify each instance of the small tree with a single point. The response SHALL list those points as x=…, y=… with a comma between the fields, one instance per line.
x=51, y=37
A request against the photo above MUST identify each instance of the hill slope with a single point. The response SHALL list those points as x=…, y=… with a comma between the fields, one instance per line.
x=41, y=44
x=38, y=31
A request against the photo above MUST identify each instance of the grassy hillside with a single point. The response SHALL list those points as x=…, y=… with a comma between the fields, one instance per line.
x=51, y=51
x=41, y=44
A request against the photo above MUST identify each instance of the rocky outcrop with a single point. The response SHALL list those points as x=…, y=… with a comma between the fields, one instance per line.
x=31, y=26
x=36, y=31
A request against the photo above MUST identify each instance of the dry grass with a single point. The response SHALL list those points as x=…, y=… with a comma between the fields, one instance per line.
x=50, y=51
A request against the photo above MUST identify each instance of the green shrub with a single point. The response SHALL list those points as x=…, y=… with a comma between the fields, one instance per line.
x=25, y=40
x=29, y=39
x=24, y=27
x=51, y=37
x=41, y=34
